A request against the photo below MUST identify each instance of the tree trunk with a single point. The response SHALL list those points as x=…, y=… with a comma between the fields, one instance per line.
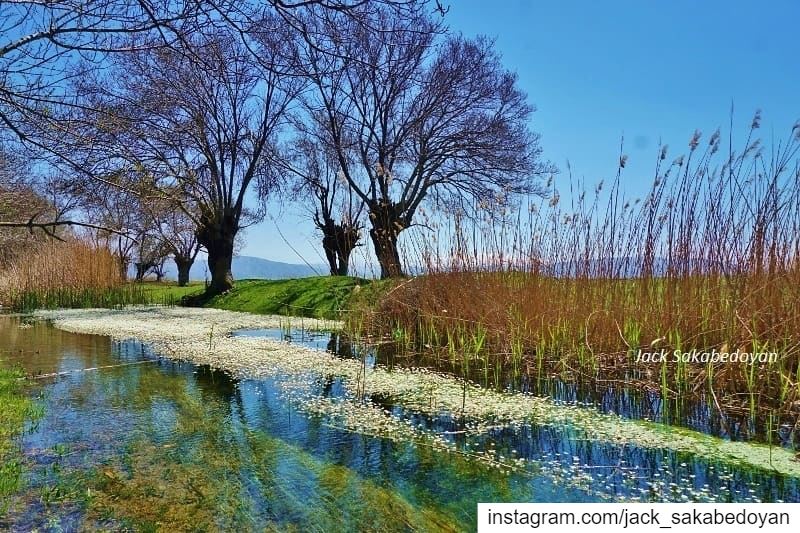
x=220, y=259
x=344, y=263
x=217, y=235
x=184, y=265
x=329, y=247
x=348, y=236
x=141, y=271
x=385, y=243
x=123, y=267
x=338, y=242
x=387, y=224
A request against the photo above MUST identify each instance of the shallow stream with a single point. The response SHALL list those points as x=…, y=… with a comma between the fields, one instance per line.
x=132, y=439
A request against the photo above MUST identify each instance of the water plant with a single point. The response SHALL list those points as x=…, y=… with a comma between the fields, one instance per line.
x=704, y=259
x=17, y=412
x=178, y=332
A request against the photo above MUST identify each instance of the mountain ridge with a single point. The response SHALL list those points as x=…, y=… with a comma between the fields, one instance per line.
x=246, y=267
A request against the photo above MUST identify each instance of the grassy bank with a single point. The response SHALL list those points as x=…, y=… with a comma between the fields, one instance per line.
x=317, y=297
x=313, y=297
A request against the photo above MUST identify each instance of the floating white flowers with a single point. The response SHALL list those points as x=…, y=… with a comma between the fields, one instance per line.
x=202, y=336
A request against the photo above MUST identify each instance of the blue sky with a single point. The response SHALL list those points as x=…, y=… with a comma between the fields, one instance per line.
x=599, y=70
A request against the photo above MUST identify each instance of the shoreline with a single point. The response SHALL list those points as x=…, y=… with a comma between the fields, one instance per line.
x=201, y=336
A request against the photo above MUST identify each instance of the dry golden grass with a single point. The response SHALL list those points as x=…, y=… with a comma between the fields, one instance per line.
x=576, y=284
x=56, y=267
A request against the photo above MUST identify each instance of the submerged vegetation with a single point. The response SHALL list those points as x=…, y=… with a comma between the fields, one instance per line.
x=17, y=411
x=499, y=355
x=296, y=450
x=184, y=334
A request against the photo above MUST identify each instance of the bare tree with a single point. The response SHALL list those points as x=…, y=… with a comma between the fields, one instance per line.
x=47, y=48
x=413, y=116
x=114, y=213
x=177, y=232
x=333, y=207
x=197, y=123
x=18, y=201
x=151, y=253
x=42, y=40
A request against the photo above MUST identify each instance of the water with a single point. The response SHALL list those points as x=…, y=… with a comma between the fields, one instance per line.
x=158, y=444
x=693, y=411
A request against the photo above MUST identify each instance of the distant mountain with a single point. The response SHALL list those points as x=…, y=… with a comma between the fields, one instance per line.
x=247, y=267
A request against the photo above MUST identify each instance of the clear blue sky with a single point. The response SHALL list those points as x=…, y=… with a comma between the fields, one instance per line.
x=597, y=70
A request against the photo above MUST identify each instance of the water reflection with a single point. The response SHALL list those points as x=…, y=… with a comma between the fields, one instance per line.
x=175, y=444
x=170, y=445
x=695, y=412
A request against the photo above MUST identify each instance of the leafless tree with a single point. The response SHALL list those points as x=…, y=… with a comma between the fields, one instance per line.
x=413, y=115
x=151, y=254
x=176, y=231
x=196, y=123
x=214, y=103
x=333, y=207
x=113, y=217
x=18, y=200
x=42, y=40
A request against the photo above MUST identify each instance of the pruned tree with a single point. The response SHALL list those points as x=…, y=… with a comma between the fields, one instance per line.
x=151, y=253
x=413, y=115
x=177, y=232
x=49, y=48
x=332, y=206
x=197, y=124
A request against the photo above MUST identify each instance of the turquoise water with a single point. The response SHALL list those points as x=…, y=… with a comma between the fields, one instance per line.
x=132, y=440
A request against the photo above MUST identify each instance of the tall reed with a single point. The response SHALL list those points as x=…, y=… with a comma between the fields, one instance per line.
x=577, y=282
x=73, y=273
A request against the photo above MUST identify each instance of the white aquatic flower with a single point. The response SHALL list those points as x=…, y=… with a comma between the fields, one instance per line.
x=202, y=336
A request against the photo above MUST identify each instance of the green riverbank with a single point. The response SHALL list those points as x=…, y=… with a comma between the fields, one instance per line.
x=315, y=297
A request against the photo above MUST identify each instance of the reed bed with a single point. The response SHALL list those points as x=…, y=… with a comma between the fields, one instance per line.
x=575, y=284
x=71, y=273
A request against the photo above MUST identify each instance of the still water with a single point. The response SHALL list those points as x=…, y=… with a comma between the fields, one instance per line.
x=130, y=440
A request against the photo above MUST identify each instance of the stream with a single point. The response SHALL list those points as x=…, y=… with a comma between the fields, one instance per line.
x=130, y=439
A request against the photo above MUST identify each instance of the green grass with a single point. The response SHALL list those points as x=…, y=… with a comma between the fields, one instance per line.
x=166, y=291
x=16, y=410
x=68, y=297
x=316, y=297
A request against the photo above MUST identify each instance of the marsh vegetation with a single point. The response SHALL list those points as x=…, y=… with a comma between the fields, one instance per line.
x=286, y=435
x=706, y=260
x=492, y=345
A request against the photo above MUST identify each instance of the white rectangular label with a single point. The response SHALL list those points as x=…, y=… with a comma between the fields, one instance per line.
x=638, y=517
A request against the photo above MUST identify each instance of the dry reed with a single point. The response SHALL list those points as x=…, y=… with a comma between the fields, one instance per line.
x=60, y=274
x=575, y=284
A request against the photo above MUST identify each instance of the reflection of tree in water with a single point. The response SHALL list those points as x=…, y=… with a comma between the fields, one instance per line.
x=217, y=383
x=196, y=460
x=340, y=345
